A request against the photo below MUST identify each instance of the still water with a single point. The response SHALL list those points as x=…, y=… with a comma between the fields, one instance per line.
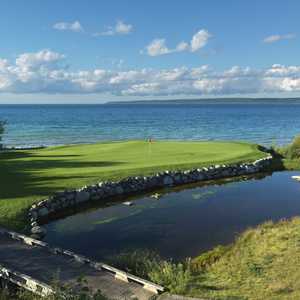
x=183, y=222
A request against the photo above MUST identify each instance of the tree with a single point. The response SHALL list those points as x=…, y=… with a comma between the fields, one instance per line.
x=2, y=130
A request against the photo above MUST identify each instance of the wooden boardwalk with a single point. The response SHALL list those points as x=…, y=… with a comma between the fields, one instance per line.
x=34, y=265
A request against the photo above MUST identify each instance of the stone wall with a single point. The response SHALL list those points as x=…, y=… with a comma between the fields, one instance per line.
x=62, y=201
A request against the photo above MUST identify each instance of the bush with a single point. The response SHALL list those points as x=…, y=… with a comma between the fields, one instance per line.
x=138, y=262
x=2, y=130
x=293, y=150
x=173, y=276
x=147, y=264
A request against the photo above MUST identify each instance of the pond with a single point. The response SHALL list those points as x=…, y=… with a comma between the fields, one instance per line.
x=182, y=222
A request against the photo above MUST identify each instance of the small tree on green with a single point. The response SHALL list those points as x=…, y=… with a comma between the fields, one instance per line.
x=2, y=130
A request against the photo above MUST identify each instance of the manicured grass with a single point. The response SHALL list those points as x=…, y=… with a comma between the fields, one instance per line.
x=29, y=176
x=264, y=263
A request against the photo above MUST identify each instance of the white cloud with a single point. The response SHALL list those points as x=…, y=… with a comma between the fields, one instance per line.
x=120, y=28
x=46, y=72
x=277, y=37
x=158, y=47
x=199, y=40
x=123, y=28
x=65, y=26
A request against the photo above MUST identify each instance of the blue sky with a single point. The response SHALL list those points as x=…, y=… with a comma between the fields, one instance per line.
x=101, y=50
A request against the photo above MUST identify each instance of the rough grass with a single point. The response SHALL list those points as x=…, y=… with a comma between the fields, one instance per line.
x=292, y=151
x=28, y=176
x=264, y=263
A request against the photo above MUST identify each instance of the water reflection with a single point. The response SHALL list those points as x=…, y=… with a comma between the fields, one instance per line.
x=183, y=222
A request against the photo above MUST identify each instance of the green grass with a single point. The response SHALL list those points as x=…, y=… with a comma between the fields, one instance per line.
x=28, y=176
x=264, y=263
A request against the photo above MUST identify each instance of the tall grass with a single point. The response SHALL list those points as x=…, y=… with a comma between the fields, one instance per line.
x=292, y=151
x=175, y=277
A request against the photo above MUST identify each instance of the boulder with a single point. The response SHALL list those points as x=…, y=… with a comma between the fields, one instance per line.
x=38, y=231
x=82, y=196
x=43, y=211
x=168, y=180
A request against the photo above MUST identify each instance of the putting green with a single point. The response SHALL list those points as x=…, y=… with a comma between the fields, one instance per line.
x=28, y=176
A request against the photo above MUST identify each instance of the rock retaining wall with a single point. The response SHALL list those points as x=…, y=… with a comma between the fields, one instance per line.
x=104, y=190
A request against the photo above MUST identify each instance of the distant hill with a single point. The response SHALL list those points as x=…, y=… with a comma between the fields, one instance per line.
x=210, y=101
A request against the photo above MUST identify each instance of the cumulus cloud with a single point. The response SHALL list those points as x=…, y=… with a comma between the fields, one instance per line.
x=277, y=37
x=120, y=28
x=46, y=71
x=158, y=47
x=199, y=40
x=65, y=26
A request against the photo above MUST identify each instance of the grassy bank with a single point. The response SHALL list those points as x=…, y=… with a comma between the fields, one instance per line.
x=262, y=264
x=28, y=176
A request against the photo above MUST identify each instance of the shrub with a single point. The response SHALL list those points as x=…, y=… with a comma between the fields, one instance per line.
x=138, y=262
x=173, y=276
x=147, y=264
x=293, y=150
x=2, y=130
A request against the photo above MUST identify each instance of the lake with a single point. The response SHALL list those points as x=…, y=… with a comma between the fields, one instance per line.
x=183, y=223
x=264, y=123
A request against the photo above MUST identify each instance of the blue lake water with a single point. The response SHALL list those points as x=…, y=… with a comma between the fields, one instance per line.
x=33, y=125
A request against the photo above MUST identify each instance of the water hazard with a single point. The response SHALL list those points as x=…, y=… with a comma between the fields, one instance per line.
x=182, y=222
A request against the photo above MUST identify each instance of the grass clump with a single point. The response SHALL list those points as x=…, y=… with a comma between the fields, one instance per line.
x=175, y=277
x=292, y=151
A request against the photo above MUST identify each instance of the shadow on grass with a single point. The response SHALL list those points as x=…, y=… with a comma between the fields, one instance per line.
x=26, y=174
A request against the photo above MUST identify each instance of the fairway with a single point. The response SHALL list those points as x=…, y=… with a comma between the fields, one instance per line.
x=31, y=175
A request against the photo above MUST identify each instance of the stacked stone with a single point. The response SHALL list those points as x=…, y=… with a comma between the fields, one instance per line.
x=133, y=185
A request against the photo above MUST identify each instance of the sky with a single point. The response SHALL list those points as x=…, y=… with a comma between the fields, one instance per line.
x=63, y=51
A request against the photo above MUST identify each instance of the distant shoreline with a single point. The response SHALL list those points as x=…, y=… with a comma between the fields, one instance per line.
x=233, y=100
x=211, y=101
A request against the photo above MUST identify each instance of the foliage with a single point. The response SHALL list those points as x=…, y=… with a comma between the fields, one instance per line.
x=138, y=262
x=292, y=151
x=175, y=277
x=2, y=130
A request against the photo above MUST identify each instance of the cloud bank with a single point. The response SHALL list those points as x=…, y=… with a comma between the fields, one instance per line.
x=47, y=72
